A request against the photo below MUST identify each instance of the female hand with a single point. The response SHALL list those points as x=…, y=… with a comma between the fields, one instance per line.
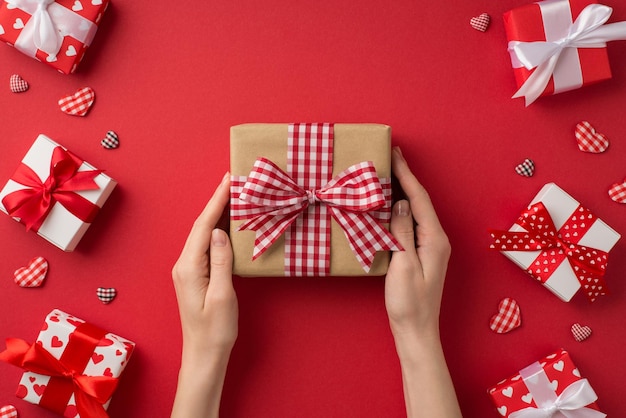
x=208, y=310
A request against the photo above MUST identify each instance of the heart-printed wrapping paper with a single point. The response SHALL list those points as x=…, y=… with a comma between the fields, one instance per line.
x=58, y=335
x=353, y=144
x=61, y=227
x=545, y=384
x=67, y=28
x=563, y=281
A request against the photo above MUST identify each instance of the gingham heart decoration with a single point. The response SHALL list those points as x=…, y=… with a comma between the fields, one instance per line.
x=617, y=192
x=18, y=84
x=32, y=275
x=589, y=140
x=110, y=141
x=106, y=294
x=480, y=23
x=8, y=411
x=580, y=333
x=79, y=103
x=526, y=169
x=508, y=317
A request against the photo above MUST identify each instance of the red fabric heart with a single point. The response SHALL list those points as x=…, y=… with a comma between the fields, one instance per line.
x=589, y=140
x=32, y=275
x=617, y=192
x=580, y=332
x=8, y=411
x=508, y=317
x=79, y=103
x=18, y=84
x=526, y=168
x=480, y=23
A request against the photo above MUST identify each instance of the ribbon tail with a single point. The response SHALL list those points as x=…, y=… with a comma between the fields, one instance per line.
x=269, y=227
x=87, y=406
x=600, y=36
x=365, y=236
x=538, y=80
x=81, y=180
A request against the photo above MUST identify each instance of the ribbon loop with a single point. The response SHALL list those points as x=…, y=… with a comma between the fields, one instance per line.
x=349, y=196
x=33, y=204
x=587, y=31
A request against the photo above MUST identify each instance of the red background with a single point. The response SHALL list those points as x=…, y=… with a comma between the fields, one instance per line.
x=171, y=78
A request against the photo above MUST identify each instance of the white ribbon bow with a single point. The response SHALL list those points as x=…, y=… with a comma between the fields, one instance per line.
x=588, y=31
x=571, y=403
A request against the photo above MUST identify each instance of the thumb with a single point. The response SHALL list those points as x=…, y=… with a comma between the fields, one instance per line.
x=402, y=226
x=221, y=258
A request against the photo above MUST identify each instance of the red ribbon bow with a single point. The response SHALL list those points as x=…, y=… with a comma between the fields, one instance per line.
x=90, y=392
x=33, y=204
x=278, y=200
x=588, y=264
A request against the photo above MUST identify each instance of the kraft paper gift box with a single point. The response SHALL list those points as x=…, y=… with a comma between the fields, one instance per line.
x=57, y=34
x=72, y=369
x=58, y=202
x=559, y=45
x=304, y=160
x=570, y=255
x=553, y=384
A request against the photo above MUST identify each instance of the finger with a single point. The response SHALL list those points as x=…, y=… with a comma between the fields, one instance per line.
x=221, y=260
x=199, y=238
x=421, y=205
x=402, y=229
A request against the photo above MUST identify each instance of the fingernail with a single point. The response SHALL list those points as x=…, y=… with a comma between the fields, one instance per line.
x=218, y=238
x=402, y=208
x=398, y=151
x=226, y=176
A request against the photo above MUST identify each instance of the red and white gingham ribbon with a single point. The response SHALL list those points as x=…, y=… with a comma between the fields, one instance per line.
x=302, y=202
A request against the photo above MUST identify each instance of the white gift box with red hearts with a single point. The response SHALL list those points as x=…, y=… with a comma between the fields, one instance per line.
x=109, y=357
x=61, y=227
x=561, y=206
x=72, y=25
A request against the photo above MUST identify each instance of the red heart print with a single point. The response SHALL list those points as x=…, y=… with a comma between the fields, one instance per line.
x=39, y=389
x=8, y=411
x=32, y=379
x=617, y=192
x=589, y=140
x=580, y=333
x=18, y=84
x=107, y=372
x=97, y=358
x=79, y=103
x=508, y=317
x=105, y=342
x=526, y=169
x=480, y=23
x=75, y=322
x=32, y=275
x=56, y=342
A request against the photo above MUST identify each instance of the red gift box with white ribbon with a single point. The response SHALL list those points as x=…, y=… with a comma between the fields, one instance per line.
x=559, y=45
x=55, y=193
x=56, y=33
x=72, y=369
x=311, y=199
x=560, y=243
x=544, y=389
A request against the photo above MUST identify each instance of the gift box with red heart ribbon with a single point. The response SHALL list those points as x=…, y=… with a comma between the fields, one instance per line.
x=311, y=199
x=545, y=388
x=560, y=243
x=55, y=193
x=54, y=32
x=559, y=45
x=72, y=369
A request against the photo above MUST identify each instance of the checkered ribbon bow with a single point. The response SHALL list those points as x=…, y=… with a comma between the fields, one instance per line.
x=349, y=197
x=588, y=264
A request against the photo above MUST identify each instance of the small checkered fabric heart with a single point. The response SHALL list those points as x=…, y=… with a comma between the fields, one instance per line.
x=526, y=169
x=8, y=411
x=32, y=275
x=18, y=84
x=480, y=23
x=79, y=103
x=110, y=141
x=589, y=140
x=508, y=317
x=617, y=192
x=580, y=333
x=106, y=294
